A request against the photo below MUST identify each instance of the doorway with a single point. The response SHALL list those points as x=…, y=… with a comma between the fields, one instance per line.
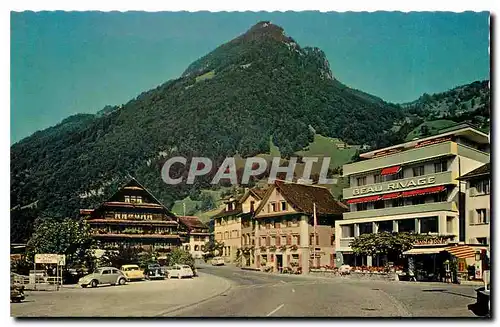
x=279, y=262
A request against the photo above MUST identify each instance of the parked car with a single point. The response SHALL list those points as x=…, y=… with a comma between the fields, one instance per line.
x=179, y=271
x=103, y=275
x=218, y=261
x=154, y=271
x=132, y=272
x=16, y=293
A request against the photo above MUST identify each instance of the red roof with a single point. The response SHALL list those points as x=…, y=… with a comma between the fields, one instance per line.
x=191, y=222
x=390, y=171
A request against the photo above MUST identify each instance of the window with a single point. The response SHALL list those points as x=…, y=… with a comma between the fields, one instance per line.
x=417, y=200
x=229, y=206
x=385, y=226
x=429, y=225
x=481, y=187
x=294, y=222
x=347, y=231
x=106, y=272
x=440, y=197
x=398, y=202
x=295, y=240
x=361, y=181
x=273, y=207
x=482, y=240
x=406, y=225
x=283, y=240
x=379, y=204
x=393, y=177
x=277, y=224
x=481, y=215
x=361, y=206
x=288, y=223
x=196, y=247
x=273, y=240
x=418, y=171
x=378, y=178
x=441, y=166
x=449, y=225
x=127, y=198
x=365, y=228
x=252, y=206
x=283, y=206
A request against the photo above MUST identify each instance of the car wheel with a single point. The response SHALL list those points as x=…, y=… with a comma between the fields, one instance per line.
x=84, y=286
x=121, y=281
x=93, y=283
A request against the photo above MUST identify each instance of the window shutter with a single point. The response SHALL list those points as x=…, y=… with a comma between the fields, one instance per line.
x=268, y=241
x=472, y=218
x=487, y=216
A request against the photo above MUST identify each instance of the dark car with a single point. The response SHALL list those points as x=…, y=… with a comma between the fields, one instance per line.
x=154, y=271
x=16, y=293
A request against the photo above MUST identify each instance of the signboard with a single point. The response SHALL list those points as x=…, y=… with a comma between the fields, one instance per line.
x=394, y=185
x=62, y=260
x=46, y=258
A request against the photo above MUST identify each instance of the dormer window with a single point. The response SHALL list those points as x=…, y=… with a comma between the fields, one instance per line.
x=274, y=207
x=283, y=206
x=229, y=206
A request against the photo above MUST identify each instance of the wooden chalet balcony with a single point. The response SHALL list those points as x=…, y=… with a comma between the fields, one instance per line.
x=131, y=222
x=135, y=236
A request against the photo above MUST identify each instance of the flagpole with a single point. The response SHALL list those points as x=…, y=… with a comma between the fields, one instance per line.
x=314, y=231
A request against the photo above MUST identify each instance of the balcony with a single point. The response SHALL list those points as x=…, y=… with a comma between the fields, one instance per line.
x=405, y=157
x=474, y=154
x=410, y=209
x=443, y=178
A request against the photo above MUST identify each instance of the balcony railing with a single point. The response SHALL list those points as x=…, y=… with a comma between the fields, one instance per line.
x=404, y=157
x=410, y=209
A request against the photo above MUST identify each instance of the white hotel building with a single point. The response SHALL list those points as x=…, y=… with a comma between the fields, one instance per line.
x=410, y=187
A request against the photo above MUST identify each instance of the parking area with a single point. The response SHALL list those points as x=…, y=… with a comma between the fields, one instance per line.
x=135, y=299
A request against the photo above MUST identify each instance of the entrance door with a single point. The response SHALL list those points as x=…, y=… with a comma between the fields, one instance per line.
x=279, y=262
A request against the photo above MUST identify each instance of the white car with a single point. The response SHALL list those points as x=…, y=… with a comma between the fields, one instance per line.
x=179, y=271
x=103, y=275
x=218, y=261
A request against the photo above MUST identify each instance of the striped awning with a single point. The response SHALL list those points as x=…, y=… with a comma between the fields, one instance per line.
x=461, y=251
x=364, y=199
x=422, y=191
x=390, y=170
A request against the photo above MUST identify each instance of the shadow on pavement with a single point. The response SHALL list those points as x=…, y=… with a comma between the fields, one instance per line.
x=449, y=292
x=478, y=310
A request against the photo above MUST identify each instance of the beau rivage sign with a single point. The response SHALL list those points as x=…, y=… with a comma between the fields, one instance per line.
x=396, y=185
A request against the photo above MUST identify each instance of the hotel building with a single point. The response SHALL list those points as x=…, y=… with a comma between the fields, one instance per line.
x=410, y=187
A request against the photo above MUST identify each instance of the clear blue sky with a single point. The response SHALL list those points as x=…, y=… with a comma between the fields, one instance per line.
x=67, y=63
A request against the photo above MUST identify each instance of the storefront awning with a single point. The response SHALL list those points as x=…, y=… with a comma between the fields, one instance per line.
x=461, y=251
x=422, y=191
x=424, y=250
x=390, y=196
x=390, y=171
x=364, y=199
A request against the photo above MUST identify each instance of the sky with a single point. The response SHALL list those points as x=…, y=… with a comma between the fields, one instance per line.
x=63, y=63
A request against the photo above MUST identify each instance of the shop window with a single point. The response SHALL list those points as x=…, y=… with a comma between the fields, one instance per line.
x=429, y=225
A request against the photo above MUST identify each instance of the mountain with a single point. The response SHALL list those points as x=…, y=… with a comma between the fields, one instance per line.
x=260, y=86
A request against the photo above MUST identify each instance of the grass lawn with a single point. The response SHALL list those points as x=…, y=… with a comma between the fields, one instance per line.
x=434, y=127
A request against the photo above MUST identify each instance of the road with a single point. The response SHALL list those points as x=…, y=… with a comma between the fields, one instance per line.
x=257, y=294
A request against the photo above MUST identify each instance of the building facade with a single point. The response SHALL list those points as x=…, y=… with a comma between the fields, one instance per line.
x=194, y=235
x=477, y=205
x=133, y=216
x=410, y=187
x=286, y=235
x=227, y=228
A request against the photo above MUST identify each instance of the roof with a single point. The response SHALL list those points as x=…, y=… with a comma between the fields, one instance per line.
x=257, y=193
x=191, y=222
x=458, y=130
x=484, y=170
x=302, y=197
x=225, y=213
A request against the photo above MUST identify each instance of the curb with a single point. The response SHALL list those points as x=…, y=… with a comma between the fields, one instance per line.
x=181, y=307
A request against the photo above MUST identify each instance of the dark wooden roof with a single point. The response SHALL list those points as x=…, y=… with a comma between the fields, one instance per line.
x=484, y=170
x=225, y=213
x=191, y=222
x=302, y=197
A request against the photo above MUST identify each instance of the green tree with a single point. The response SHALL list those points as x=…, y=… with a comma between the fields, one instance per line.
x=67, y=236
x=213, y=248
x=181, y=257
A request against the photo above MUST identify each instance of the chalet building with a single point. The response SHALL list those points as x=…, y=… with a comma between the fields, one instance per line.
x=477, y=205
x=413, y=187
x=194, y=235
x=133, y=216
x=286, y=234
